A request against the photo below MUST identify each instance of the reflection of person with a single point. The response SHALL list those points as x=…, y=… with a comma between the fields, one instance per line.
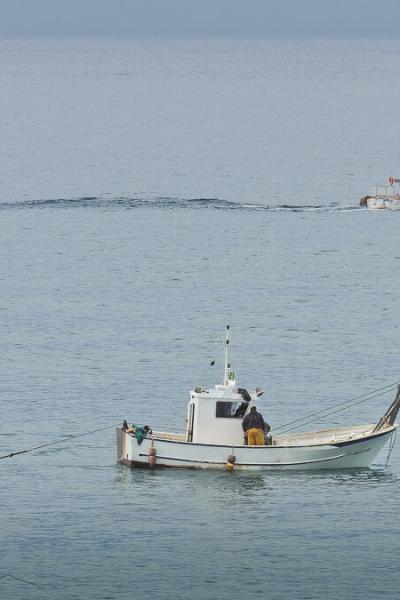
x=254, y=428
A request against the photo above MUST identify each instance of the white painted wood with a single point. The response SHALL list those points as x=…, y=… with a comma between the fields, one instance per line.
x=362, y=450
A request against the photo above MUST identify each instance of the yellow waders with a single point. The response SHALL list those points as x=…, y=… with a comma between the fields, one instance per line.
x=255, y=437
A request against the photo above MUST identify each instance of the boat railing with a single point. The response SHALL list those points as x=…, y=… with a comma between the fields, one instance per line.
x=388, y=192
x=171, y=437
x=326, y=436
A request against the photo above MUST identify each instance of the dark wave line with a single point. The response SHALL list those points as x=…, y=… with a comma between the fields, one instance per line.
x=166, y=203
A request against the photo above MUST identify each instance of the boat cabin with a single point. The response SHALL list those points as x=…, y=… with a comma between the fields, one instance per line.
x=214, y=416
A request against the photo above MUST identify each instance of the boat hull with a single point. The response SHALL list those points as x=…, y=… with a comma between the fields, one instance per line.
x=383, y=203
x=158, y=452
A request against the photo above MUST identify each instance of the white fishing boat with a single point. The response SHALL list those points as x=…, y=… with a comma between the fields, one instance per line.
x=214, y=436
x=380, y=197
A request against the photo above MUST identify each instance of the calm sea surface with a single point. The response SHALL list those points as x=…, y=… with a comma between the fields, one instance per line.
x=150, y=193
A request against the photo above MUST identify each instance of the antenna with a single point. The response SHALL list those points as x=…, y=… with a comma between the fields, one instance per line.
x=227, y=365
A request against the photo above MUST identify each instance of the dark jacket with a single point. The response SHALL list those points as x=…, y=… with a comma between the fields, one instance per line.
x=253, y=419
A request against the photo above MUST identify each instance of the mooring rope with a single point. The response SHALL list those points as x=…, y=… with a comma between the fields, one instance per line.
x=331, y=410
x=325, y=412
x=54, y=442
x=391, y=446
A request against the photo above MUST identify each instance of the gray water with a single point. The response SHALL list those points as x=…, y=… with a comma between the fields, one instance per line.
x=152, y=192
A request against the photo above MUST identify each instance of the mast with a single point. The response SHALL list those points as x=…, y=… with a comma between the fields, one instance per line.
x=227, y=365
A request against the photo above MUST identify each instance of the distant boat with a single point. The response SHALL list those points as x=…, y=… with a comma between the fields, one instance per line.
x=383, y=196
x=214, y=437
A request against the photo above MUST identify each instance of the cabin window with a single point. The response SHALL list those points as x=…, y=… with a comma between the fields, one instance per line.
x=231, y=410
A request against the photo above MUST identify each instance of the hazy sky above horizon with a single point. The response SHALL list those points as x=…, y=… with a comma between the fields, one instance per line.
x=187, y=18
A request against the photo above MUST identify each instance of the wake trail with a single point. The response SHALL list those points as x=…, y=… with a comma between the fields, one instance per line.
x=167, y=203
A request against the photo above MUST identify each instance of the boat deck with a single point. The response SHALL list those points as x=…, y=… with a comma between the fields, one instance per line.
x=307, y=438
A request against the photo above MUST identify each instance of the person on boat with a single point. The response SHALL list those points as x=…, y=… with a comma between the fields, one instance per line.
x=255, y=428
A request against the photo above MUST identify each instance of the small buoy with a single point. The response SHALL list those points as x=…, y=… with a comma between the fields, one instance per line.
x=230, y=463
x=152, y=458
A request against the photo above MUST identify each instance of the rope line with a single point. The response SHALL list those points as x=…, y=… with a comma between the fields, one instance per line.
x=391, y=446
x=53, y=443
x=9, y=575
x=328, y=411
x=325, y=412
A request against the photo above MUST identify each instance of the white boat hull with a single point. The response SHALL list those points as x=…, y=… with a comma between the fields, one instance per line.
x=341, y=454
x=383, y=203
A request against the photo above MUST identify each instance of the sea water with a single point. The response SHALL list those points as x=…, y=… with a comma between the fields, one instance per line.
x=153, y=191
